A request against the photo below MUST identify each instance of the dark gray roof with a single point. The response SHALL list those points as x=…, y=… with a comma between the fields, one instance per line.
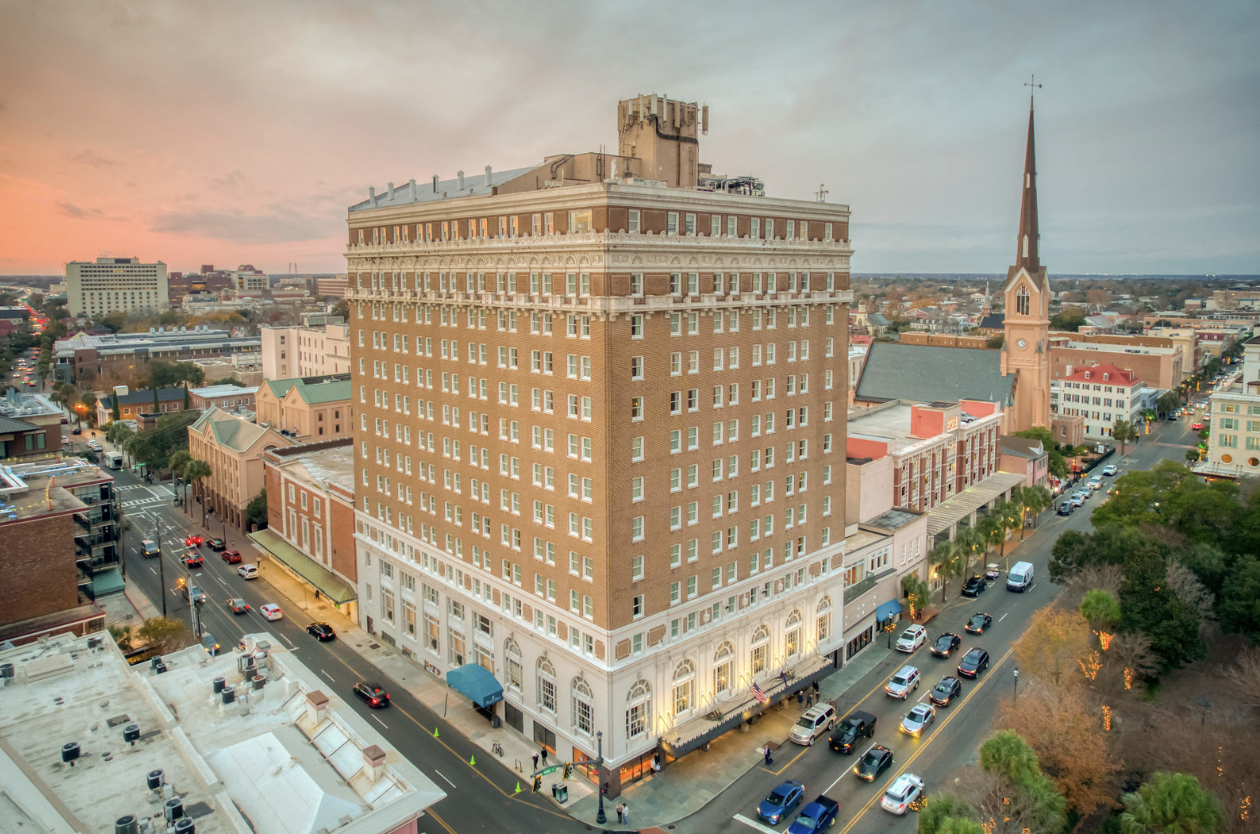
x=145, y=396
x=424, y=192
x=1021, y=446
x=11, y=426
x=877, y=320
x=926, y=373
x=993, y=321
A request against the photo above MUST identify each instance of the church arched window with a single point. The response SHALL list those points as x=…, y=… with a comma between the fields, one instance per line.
x=1023, y=301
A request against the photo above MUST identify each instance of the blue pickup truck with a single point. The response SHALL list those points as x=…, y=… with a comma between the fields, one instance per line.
x=818, y=815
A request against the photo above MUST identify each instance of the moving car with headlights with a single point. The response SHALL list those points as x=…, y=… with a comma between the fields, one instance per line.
x=150, y=548
x=978, y=623
x=817, y=816
x=781, y=801
x=918, y=719
x=1065, y=508
x=902, y=794
x=816, y=721
x=945, y=644
x=238, y=606
x=875, y=761
x=856, y=726
x=1110, y=469
x=944, y=693
x=373, y=694
x=903, y=682
x=912, y=638
x=973, y=663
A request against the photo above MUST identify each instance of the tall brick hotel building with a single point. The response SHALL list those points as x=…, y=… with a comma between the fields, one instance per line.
x=600, y=437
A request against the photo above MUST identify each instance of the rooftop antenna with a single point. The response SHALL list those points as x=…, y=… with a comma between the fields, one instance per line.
x=822, y=193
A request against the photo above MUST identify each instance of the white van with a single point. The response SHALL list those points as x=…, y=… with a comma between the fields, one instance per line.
x=1020, y=577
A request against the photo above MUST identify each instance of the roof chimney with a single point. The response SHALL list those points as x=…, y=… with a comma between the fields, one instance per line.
x=435, y=183
x=459, y=176
x=316, y=704
x=411, y=190
x=487, y=176
x=372, y=194
x=391, y=191
x=373, y=762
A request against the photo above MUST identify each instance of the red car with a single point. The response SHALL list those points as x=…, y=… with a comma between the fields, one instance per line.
x=1196, y=426
x=231, y=556
x=193, y=541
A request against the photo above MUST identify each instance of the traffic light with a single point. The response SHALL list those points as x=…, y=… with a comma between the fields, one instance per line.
x=537, y=786
x=568, y=769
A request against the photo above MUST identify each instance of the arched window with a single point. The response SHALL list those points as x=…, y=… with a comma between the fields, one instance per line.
x=512, y=651
x=546, y=685
x=638, y=709
x=760, y=649
x=723, y=659
x=792, y=635
x=684, y=687
x=824, y=621
x=583, y=710
x=1023, y=301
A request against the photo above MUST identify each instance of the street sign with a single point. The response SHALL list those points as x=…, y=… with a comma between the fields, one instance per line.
x=547, y=770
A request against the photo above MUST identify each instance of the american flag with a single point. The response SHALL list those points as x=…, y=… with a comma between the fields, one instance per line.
x=759, y=695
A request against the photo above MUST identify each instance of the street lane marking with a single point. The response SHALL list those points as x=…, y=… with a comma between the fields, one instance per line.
x=330, y=677
x=754, y=824
x=919, y=750
x=843, y=773
x=443, y=775
x=1003, y=617
x=439, y=820
x=379, y=721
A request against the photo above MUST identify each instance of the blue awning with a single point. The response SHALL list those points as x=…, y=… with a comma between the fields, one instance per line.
x=477, y=684
x=888, y=610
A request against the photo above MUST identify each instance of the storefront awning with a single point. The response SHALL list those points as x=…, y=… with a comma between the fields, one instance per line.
x=477, y=684
x=332, y=586
x=887, y=610
x=107, y=582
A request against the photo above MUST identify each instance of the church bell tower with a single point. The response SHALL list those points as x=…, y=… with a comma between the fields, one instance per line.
x=1025, y=352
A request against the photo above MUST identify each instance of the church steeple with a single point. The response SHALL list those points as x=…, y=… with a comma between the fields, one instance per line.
x=1026, y=253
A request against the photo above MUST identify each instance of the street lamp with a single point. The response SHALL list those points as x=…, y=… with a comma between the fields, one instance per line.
x=1016, y=697
x=600, y=816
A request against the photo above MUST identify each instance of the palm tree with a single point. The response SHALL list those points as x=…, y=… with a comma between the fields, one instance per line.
x=972, y=543
x=945, y=559
x=990, y=531
x=120, y=434
x=194, y=471
x=1009, y=517
x=1123, y=432
x=1172, y=803
x=178, y=463
x=1168, y=402
x=1007, y=753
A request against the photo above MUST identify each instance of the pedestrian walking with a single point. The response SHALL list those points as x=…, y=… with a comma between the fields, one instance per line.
x=809, y=699
x=766, y=752
x=817, y=695
x=800, y=698
x=535, y=761
x=625, y=813
x=544, y=756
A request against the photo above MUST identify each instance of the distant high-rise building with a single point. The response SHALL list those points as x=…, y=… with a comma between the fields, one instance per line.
x=115, y=285
x=601, y=437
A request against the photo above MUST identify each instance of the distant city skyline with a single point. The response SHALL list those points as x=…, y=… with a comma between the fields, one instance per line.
x=239, y=133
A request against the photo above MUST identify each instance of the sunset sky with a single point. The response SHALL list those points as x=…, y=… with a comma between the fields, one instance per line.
x=239, y=132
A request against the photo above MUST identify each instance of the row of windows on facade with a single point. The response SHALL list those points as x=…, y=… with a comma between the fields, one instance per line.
x=579, y=283
x=579, y=221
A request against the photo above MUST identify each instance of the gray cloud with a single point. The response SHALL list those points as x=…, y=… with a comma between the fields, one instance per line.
x=279, y=225
x=71, y=210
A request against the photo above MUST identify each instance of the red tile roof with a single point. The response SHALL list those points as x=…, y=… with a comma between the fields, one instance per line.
x=1104, y=373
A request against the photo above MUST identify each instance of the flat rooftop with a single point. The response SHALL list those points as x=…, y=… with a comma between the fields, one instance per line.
x=893, y=423
x=32, y=490
x=282, y=759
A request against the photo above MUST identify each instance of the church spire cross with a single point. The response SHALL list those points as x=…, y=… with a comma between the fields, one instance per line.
x=1028, y=240
x=1033, y=91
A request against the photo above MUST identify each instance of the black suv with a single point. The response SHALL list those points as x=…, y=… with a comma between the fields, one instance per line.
x=973, y=663
x=945, y=644
x=975, y=586
x=321, y=632
x=943, y=694
x=876, y=761
x=855, y=727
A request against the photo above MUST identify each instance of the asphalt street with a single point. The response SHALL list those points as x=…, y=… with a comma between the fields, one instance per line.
x=481, y=797
x=952, y=741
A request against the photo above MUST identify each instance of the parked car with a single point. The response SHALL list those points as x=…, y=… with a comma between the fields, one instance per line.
x=1065, y=508
x=856, y=726
x=271, y=611
x=816, y=721
x=237, y=605
x=912, y=638
x=978, y=623
x=322, y=632
x=945, y=691
x=232, y=557
x=247, y=571
x=372, y=693
x=217, y=545
x=781, y=800
x=1110, y=469
x=974, y=662
x=945, y=644
x=874, y=761
x=902, y=794
x=918, y=719
x=903, y=682
x=975, y=586
x=815, y=817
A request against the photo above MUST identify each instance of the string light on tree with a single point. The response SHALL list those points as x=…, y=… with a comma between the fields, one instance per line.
x=1106, y=711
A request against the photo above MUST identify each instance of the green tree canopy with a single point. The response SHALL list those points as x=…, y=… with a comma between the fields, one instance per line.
x=1171, y=803
x=170, y=374
x=256, y=511
x=1148, y=605
x=1123, y=433
x=1057, y=463
x=170, y=434
x=1070, y=319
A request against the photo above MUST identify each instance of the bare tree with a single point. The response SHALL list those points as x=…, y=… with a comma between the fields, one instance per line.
x=1182, y=582
x=1246, y=674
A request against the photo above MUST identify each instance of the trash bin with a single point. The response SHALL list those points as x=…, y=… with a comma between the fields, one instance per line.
x=495, y=722
x=561, y=793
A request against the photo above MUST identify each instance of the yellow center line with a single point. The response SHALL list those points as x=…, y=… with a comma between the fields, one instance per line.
x=952, y=713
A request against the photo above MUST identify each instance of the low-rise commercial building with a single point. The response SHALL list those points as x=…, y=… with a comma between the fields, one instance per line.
x=1234, y=441
x=30, y=424
x=311, y=350
x=306, y=408
x=226, y=397
x=1159, y=363
x=105, y=360
x=234, y=447
x=1101, y=394
x=131, y=404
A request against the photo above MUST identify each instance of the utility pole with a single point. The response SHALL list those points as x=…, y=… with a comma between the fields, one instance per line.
x=161, y=568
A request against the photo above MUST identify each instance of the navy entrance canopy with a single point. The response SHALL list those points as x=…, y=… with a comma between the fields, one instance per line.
x=888, y=610
x=477, y=683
